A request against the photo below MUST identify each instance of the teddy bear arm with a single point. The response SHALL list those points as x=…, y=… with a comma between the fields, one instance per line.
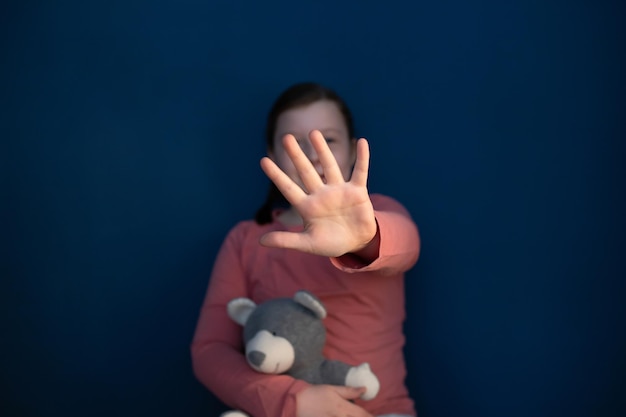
x=334, y=372
x=234, y=413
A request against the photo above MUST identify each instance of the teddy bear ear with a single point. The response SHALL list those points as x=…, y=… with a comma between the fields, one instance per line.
x=239, y=309
x=311, y=302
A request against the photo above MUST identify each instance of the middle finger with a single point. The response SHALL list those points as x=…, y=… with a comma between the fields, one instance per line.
x=327, y=159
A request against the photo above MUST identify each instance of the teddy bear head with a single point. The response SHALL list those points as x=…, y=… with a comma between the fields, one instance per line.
x=281, y=334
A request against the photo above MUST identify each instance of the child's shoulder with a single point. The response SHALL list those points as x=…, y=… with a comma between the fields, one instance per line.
x=243, y=227
x=248, y=229
x=385, y=203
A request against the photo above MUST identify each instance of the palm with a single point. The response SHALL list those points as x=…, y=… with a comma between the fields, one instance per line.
x=338, y=216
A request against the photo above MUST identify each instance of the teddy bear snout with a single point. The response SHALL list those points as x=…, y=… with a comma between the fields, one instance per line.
x=256, y=358
x=269, y=354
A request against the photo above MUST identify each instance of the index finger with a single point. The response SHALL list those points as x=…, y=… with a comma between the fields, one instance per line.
x=349, y=394
x=292, y=191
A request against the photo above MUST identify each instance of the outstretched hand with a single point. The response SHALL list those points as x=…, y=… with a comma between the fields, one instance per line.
x=337, y=215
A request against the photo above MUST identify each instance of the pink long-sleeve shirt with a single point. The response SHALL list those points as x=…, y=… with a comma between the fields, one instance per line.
x=365, y=306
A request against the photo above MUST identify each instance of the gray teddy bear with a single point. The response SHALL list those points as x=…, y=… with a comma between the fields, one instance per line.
x=287, y=336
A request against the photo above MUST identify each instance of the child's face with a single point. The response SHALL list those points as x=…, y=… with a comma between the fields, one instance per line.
x=325, y=116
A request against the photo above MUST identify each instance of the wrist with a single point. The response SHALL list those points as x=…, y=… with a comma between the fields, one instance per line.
x=364, y=256
x=370, y=252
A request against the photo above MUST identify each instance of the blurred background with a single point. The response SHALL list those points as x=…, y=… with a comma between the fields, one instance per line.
x=130, y=138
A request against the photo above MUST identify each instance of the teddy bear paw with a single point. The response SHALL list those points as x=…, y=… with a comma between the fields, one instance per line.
x=362, y=376
x=234, y=413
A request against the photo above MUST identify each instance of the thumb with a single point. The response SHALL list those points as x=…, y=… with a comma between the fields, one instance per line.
x=349, y=393
x=289, y=240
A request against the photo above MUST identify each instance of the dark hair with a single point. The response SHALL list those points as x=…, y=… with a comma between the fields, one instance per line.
x=297, y=95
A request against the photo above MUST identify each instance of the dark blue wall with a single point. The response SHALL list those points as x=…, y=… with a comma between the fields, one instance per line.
x=131, y=132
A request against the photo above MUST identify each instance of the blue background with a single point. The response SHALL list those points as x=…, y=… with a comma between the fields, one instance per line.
x=131, y=133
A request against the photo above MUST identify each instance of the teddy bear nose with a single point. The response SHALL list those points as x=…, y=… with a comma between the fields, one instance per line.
x=256, y=358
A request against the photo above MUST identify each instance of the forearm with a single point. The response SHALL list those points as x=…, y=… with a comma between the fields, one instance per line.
x=226, y=374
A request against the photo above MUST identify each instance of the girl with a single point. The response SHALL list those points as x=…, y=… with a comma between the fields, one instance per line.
x=349, y=248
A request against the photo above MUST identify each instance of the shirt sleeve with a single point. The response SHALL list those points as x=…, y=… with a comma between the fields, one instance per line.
x=399, y=241
x=217, y=347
